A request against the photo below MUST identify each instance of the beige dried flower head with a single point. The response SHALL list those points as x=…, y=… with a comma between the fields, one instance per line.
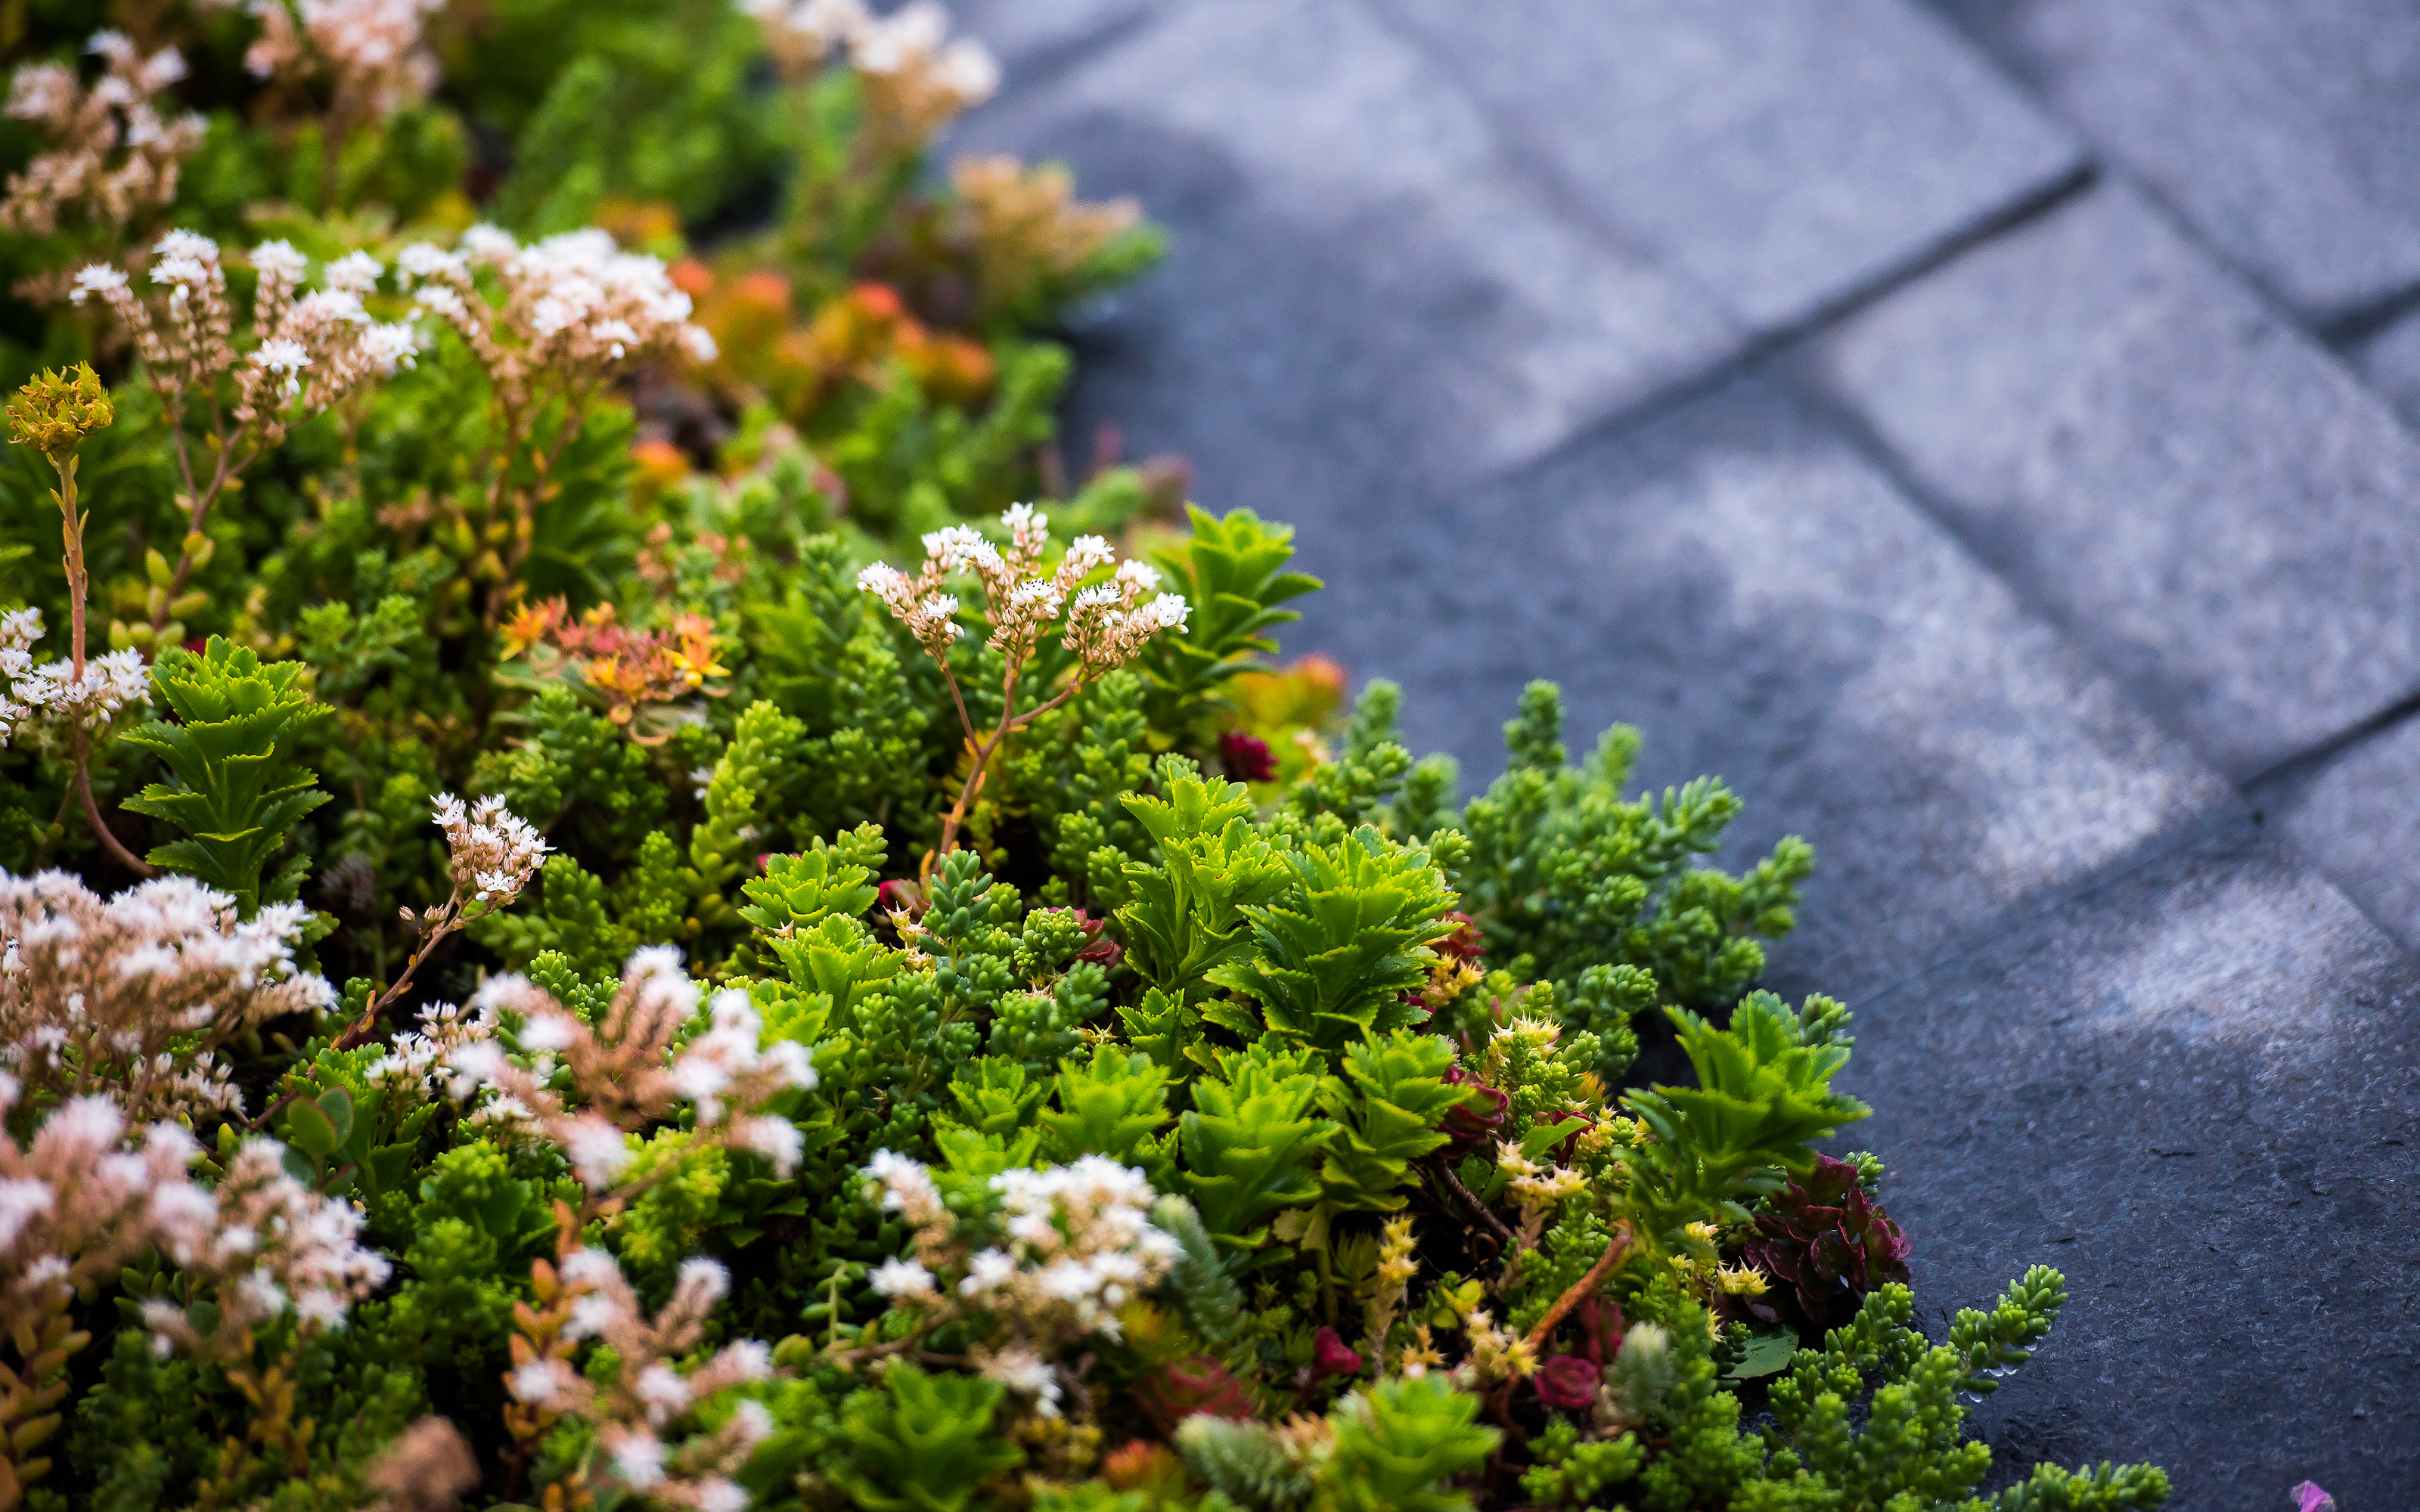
x=915, y=79
x=426, y=1469
x=1028, y=225
x=626, y=1071
x=56, y=410
x=111, y=154
x=801, y=34
x=654, y=1386
x=130, y=997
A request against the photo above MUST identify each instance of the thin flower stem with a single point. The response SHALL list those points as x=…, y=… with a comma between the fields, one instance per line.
x=1586, y=1284
x=71, y=531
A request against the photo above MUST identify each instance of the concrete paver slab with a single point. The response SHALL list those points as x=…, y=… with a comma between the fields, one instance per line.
x=2287, y=134
x=2205, y=498
x=1786, y=153
x=1740, y=583
x=2196, y=1092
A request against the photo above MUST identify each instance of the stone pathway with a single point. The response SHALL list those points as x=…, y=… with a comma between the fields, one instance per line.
x=1972, y=430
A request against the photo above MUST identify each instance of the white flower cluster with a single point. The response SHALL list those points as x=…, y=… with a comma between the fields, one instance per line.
x=625, y=1069
x=650, y=1391
x=1078, y=1246
x=910, y=44
x=493, y=851
x=310, y=350
x=50, y=697
x=113, y=153
x=575, y=306
x=264, y=1244
x=129, y=996
x=1105, y=629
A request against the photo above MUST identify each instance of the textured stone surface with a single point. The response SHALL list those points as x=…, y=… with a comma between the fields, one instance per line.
x=1785, y=152
x=2194, y=1092
x=2359, y=818
x=2208, y=499
x=1031, y=38
x=2287, y=133
x=1360, y=290
x=1741, y=585
x=2390, y=360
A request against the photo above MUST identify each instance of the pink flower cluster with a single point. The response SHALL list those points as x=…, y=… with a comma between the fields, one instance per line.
x=131, y=996
x=75, y=1205
x=112, y=155
x=371, y=50
x=629, y=1068
x=259, y=1245
x=651, y=1391
x=493, y=852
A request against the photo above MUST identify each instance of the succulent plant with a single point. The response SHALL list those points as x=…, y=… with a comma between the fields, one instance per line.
x=1827, y=1242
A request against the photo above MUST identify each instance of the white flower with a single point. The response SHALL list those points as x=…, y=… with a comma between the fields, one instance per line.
x=902, y=1278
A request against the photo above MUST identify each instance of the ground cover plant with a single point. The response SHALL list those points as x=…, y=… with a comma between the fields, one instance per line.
x=619, y=890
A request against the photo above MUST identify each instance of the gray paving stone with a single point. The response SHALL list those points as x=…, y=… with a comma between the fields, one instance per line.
x=2194, y=1092
x=2205, y=498
x=2391, y=362
x=2287, y=133
x=1030, y=36
x=1785, y=152
x=1361, y=291
x=1738, y=581
x=2359, y=818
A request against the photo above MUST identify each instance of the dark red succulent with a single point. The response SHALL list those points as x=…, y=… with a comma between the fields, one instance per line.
x=1569, y=1147
x=1197, y=1384
x=900, y=895
x=1828, y=1242
x=1098, y=946
x=1602, y=1327
x=1567, y=1382
x=1464, y=943
x=1479, y=1118
x=1329, y=1356
x=1247, y=757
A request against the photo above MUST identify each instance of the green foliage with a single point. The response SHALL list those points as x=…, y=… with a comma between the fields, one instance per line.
x=1366, y=1159
x=919, y=1442
x=1560, y=864
x=237, y=792
x=1398, y=1445
x=1761, y=1096
x=1337, y=949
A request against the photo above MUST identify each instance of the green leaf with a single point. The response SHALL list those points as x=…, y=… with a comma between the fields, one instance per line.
x=238, y=792
x=1767, y=1352
x=308, y=1128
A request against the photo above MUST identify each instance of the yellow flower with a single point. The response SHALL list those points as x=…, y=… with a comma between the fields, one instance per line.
x=57, y=409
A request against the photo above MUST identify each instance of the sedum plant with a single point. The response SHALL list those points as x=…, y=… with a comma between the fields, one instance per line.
x=651, y=906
